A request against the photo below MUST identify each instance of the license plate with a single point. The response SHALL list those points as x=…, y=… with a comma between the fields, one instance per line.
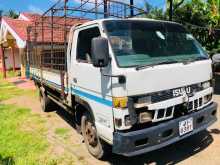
x=185, y=126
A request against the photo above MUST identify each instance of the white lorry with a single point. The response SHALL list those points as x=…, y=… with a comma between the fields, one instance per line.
x=133, y=84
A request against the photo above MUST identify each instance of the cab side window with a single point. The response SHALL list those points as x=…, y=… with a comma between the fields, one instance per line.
x=84, y=44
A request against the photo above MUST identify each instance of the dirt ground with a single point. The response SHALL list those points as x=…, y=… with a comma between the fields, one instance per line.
x=203, y=148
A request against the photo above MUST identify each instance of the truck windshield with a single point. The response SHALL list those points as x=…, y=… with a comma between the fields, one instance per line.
x=140, y=43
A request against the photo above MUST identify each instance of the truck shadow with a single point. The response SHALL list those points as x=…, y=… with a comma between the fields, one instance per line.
x=66, y=117
x=169, y=155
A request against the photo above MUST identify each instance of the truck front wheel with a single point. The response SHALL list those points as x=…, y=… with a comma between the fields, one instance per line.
x=94, y=145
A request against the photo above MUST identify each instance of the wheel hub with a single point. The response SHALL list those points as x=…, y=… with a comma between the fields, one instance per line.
x=91, y=134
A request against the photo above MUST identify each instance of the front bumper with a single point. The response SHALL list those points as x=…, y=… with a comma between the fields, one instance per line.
x=149, y=139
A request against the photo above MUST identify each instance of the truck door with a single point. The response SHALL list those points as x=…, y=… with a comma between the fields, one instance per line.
x=89, y=84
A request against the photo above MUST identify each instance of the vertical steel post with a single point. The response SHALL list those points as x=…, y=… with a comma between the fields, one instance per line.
x=62, y=72
x=52, y=27
x=132, y=7
x=96, y=9
x=171, y=10
x=42, y=36
x=125, y=11
x=81, y=7
x=27, y=70
x=105, y=8
x=65, y=33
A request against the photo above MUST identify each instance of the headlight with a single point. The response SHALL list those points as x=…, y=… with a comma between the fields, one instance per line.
x=206, y=85
x=145, y=117
x=120, y=102
x=143, y=102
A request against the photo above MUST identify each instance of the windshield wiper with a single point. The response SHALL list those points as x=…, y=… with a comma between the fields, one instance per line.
x=152, y=65
x=195, y=59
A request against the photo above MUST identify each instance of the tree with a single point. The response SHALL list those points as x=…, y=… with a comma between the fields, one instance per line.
x=201, y=18
x=153, y=12
x=12, y=14
x=214, y=6
x=194, y=12
x=172, y=5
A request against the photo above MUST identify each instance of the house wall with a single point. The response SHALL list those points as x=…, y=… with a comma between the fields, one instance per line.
x=0, y=64
x=0, y=59
x=9, y=58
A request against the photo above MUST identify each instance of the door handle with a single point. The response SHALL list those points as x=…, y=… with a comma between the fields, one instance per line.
x=75, y=80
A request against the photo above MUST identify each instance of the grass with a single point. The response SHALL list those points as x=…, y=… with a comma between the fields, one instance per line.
x=10, y=74
x=23, y=135
x=21, y=145
x=8, y=90
x=62, y=132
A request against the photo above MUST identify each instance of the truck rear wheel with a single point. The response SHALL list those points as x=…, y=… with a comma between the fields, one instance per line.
x=47, y=105
x=94, y=145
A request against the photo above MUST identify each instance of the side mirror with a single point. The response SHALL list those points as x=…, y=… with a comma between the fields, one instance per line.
x=216, y=62
x=100, y=52
x=216, y=58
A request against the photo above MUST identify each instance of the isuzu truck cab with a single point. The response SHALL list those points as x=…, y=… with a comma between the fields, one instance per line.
x=136, y=85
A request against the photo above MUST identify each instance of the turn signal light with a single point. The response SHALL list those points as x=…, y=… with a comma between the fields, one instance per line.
x=120, y=102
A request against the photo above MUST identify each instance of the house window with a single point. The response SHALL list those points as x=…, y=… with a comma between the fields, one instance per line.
x=84, y=44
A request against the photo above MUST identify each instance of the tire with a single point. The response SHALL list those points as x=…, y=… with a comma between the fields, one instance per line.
x=47, y=105
x=94, y=144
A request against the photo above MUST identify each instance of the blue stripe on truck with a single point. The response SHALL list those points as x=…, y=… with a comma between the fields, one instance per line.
x=81, y=93
x=92, y=97
x=49, y=82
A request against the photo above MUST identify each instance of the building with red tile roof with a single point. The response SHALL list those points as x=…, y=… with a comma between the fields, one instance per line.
x=13, y=37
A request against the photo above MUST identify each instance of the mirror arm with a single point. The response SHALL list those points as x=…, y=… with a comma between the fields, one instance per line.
x=121, y=78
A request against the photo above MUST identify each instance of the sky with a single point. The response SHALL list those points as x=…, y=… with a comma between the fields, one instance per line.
x=39, y=6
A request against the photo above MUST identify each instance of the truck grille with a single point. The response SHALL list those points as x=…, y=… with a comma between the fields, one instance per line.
x=161, y=96
x=163, y=114
x=168, y=113
x=195, y=104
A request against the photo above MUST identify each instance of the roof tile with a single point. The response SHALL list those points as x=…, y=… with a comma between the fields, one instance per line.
x=19, y=26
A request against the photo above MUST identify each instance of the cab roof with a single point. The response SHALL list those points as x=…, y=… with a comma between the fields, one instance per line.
x=100, y=21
